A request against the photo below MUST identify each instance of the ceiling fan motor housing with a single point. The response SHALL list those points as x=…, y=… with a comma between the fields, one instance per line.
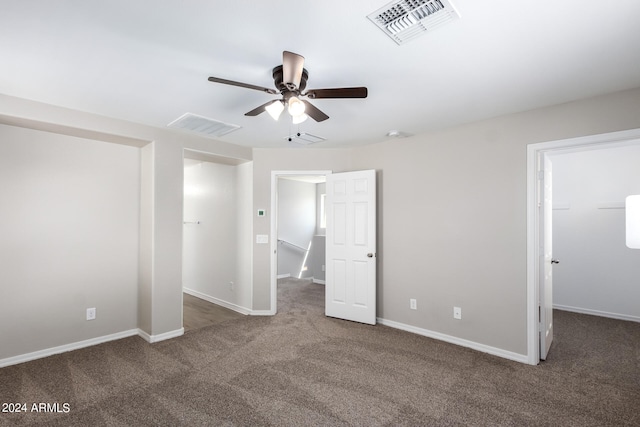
x=283, y=87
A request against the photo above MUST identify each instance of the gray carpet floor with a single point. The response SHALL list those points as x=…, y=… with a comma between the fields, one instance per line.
x=299, y=368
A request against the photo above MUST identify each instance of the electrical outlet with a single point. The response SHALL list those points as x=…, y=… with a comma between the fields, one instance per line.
x=91, y=313
x=413, y=304
x=231, y=286
x=457, y=313
x=323, y=267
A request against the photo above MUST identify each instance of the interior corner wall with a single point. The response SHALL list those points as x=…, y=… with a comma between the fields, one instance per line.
x=69, y=226
x=166, y=292
x=597, y=273
x=452, y=209
x=145, y=280
x=244, y=234
x=168, y=199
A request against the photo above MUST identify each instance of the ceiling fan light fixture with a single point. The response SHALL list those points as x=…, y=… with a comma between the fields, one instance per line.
x=299, y=118
x=275, y=109
x=290, y=79
x=296, y=107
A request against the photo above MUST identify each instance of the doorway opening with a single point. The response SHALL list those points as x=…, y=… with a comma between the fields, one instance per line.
x=297, y=235
x=216, y=239
x=537, y=301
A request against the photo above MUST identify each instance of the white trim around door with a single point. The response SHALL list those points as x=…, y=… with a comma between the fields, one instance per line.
x=534, y=152
x=274, y=226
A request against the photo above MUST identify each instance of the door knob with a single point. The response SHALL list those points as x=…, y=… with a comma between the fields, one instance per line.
x=370, y=255
x=555, y=261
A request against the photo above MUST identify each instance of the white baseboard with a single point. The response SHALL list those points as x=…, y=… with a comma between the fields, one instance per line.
x=283, y=276
x=318, y=281
x=262, y=313
x=597, y=313
x=67, y=347
x=522, y=358
x=88, y=343
x=160, y=337
x=217, y=301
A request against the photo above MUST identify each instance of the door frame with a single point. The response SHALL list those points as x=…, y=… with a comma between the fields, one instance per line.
x=275, y=175
x=534, y=152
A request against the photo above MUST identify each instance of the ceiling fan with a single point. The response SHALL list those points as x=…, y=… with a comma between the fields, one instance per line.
x=290, y=80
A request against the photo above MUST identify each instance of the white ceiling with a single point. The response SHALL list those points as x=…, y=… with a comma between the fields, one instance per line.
x=148, y=61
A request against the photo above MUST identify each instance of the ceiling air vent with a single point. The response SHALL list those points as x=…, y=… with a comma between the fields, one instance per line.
x=405, y=20
x=202, y=125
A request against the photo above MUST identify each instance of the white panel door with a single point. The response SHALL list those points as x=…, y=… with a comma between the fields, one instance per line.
x=351, y=246
x=546, y=260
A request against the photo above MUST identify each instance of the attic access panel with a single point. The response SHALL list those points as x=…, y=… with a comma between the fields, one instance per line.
x=304, y=138
x=404, y=20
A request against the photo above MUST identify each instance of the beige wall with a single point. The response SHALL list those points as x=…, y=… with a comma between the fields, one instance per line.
x=244, y=235
x=452, y=217
x=452, y=211
x=145, y=255
x=159, y=296
x=69, y=226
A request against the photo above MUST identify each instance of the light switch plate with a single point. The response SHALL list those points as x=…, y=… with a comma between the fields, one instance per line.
x=262, y=238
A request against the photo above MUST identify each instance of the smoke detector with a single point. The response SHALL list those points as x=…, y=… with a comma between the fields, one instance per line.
x=405, y=20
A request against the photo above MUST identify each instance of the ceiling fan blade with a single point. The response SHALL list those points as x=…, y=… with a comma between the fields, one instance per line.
x=245, y=85
x=292, y=66
x=344, y=92
x=259, y=109
x=314, y=112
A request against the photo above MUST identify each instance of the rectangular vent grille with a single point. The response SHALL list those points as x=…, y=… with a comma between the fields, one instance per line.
x=405, y=20
x=304, y=138
x=202, y=125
